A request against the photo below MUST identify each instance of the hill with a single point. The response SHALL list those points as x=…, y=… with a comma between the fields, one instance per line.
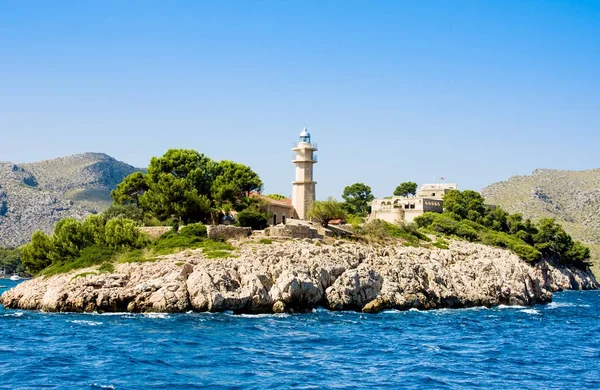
x=34, y=196
x=572, y=197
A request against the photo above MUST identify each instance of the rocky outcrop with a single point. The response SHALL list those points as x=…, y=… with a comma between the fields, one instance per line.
x=297, y=276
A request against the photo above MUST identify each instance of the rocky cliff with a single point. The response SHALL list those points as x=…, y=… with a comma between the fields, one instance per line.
x=301, y=275
x=572, y=197
x=37, y=195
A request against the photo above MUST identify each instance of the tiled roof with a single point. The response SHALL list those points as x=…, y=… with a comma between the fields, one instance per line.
x=287, y=202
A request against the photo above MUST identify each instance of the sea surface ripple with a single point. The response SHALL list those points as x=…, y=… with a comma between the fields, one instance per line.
x=546, y=346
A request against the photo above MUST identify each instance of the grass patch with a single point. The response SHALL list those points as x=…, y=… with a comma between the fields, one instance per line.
x=83, y=275
x=379, y=230
x=265, y=241
x=136, y=256
x=440, y=243
x=179, y=263
x=90, y=256
x=218, y=254
x=107, y=267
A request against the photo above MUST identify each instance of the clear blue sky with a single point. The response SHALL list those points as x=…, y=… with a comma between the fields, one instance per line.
x=391, y=90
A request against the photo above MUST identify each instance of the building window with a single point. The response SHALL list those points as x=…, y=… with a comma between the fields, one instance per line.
x=412, y=206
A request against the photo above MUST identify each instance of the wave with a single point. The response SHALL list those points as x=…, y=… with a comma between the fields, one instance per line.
x=85, y=322
x=157, y=315
x=531, y=311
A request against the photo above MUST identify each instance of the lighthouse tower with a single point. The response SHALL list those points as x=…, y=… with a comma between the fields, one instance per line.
x=304, y=185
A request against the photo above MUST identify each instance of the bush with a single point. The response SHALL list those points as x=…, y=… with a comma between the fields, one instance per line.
x=379, y=229
x=466, y=232
x=92, y=255
x=252, y=219
x=193, y=230
x=35, y=254
x=128, y=211
x=123, y=234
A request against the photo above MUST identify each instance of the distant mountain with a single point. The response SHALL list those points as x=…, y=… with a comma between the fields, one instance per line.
x=572, y=197
x=34, y=196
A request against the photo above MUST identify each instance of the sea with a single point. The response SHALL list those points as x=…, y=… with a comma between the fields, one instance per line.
x=552, y=346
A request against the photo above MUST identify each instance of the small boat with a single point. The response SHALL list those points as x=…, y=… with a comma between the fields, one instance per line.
x=15, y=277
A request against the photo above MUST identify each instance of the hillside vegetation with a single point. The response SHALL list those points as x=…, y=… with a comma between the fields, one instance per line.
x=571, y=197
x=35, y=196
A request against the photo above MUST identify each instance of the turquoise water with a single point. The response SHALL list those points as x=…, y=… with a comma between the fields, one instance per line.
x=548, y=346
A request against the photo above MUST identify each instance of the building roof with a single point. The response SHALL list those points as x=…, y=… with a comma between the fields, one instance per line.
x=305, y=133
x=287, y=202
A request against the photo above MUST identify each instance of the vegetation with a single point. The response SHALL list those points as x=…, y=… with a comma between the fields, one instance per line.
x=10, y=261
x=571, y=197
x=379, y=230
x=130, y=211
x=405, y=189
x=358, y=197
x=276, y=196
x=188, y=186
x=467, y=217
x=327, y=210
x=252, y=219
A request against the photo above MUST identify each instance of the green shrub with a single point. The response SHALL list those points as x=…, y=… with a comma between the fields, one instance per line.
x=265, y=241
x=107, y=267
x=252, y=219
x=123, y=233
x=35, y=253
x=379, y=229
x=128, y=211
x=92, y=255
x=193, y=230
x=466, y=232
x=174, y=243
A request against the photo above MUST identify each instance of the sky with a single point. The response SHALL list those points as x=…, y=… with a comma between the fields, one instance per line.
x=391, y=91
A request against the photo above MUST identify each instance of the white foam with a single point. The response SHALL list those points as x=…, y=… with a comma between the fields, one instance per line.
x=104, y=387
x=15, y=314
x=531, y=311
x=85, y=322
x=157, y=315
x=511, y=307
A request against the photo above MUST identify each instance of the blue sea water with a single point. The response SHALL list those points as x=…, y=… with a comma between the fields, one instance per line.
x=547, y=346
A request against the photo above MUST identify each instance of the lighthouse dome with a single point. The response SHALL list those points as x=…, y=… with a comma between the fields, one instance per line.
x=305, y=136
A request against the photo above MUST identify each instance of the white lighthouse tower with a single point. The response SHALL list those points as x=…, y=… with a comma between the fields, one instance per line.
x=304, y=185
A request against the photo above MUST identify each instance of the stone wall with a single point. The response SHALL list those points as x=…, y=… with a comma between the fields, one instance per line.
x=226, y=232
x=155, y=231
x=292, y=231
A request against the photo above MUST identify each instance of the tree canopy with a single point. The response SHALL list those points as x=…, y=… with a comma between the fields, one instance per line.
x=187, y=185
x=327, y=210
x=406, y=188
x=358, y=197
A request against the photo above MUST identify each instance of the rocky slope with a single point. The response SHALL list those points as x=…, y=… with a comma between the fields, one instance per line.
x=301, y=275
x=572, y=197
x=37, y=195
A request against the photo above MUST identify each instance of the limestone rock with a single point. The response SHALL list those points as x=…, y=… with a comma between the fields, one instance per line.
x=297, y=276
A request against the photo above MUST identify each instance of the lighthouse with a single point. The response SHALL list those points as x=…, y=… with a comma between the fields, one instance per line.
x=304, y=185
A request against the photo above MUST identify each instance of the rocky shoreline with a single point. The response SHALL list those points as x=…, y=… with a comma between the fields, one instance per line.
x=299, y=275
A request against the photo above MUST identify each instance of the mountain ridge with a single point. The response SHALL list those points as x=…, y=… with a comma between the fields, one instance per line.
x=36, y=195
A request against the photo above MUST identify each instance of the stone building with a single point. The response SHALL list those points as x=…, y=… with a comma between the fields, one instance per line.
x=304, y=186
x=280, y=211
x=435, y=191
x=396, y=209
